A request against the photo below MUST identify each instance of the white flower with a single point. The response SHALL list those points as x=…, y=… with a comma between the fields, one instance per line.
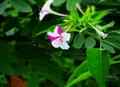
x=102, y=34
x=59, y=38
x=47, y=10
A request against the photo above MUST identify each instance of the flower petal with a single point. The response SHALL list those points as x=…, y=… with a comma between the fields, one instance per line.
x=52, y=34
x=52, y=38
x=66, y=36
x=42, y=14
x=64, y=45
x=46, y=6
x=45, y=9
x=59, y=30
x=56, y=43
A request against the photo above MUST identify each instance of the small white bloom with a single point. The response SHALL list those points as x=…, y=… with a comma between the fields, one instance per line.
x=59, y=38
x=47, y=10
x=102, y=34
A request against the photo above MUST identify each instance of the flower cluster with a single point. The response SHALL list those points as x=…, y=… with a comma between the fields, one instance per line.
x=58, y=38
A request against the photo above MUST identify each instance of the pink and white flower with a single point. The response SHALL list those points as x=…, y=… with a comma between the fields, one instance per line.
x=46, y=9
x=59, y=38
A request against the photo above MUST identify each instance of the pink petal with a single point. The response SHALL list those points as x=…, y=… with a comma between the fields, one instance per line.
x=52, y=38
x=44, y=11
x=59, y=30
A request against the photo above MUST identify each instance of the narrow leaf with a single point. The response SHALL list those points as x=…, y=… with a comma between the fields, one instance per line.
x=98, y=62
x=80, y=73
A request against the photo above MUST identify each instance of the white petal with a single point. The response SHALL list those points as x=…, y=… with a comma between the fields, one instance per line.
x=66, y=36
x=55, y=33
x=41, y=16
x=52, y=34
x=64, y=45
x=46, y=6
x=56, y=43
x=45, y=9
x=56, y=30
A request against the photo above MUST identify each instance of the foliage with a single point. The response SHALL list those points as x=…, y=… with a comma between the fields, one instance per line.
x=26, y=52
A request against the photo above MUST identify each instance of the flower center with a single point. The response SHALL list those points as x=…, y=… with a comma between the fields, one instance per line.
x=61, y=38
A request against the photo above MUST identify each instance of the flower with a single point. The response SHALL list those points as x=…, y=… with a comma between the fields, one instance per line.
x=47, y=10
x=102, y=34
x=59, y=38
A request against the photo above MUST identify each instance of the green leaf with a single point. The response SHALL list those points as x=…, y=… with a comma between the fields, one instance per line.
x=71, y=4
x=3, y=7
x=74, y=15
x=6, y=69
x=3, y=79
x=33, y=81
x=80, y=78
x=80, y=70
x=50, y=71
x=113, y=39
x=98, y=62
x=98, y=15
x=22, y=70
x=21, y=6
x=6, y=55
x=58, y=2
x=39, y=61
x=78, y=41
x=108, y=47
x=90, y=42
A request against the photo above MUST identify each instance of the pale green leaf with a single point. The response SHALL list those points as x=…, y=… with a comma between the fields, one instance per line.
x=78, y=41
x=58, y=2
x=90, y=42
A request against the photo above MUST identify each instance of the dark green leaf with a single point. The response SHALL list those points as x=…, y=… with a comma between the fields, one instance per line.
x=108, y=47
x=3, y=7
x=33, y=81
x=6, y=69
x=39, y=61
x=113, y=39
x=6, y=55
